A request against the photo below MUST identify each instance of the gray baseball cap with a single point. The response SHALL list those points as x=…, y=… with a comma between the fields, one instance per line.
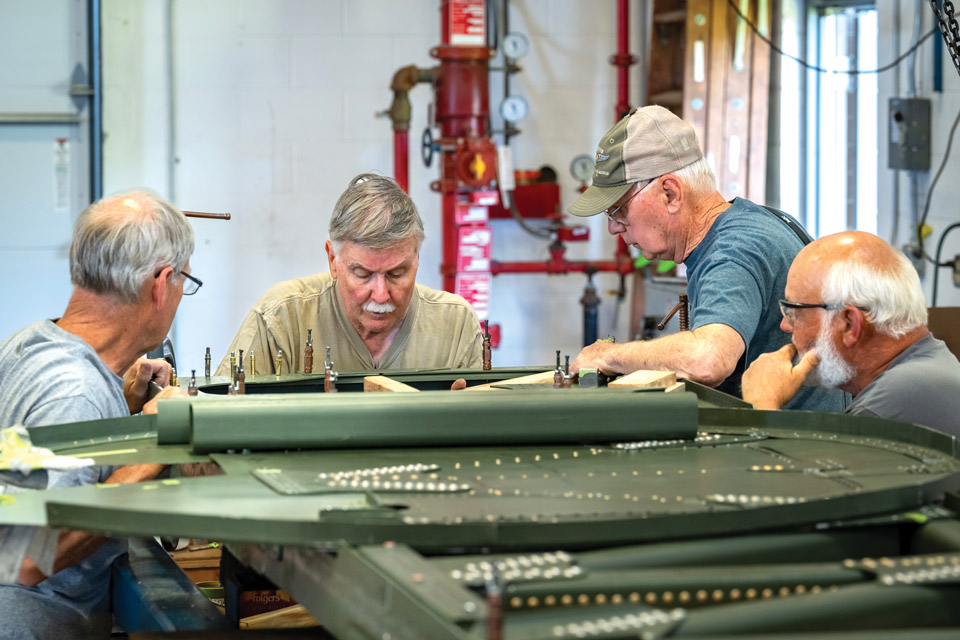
x=647, y=143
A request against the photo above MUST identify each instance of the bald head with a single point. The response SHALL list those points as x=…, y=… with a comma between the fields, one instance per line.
x=860, y=269
x=119, y=241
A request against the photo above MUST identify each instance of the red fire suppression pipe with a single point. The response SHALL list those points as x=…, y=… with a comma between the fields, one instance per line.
x=622, y=59
x=462, y=112
x=557, y=264
x=399, y=113
x=401, y=163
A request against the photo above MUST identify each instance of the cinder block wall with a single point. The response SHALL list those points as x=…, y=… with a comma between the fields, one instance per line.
x=273, y=105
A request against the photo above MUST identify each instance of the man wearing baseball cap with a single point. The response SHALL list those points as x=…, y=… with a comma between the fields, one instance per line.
x=658, y=192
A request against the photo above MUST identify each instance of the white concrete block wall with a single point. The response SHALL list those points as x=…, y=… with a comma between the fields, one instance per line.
x=275, y=105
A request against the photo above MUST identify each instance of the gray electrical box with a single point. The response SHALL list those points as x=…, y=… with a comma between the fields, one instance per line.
x=910, y=134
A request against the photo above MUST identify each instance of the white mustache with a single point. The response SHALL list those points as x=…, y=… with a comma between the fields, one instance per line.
x=374, y=307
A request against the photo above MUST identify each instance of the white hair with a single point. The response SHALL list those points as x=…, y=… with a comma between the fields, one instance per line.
x=120, y=241
x=697, y=177
x=893, y=296
x=376, y=213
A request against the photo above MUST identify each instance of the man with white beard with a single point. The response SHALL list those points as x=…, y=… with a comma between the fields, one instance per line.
x=858, y=317
x=368, y=309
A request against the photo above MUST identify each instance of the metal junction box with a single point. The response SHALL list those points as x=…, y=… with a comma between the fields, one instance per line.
x=910, y=134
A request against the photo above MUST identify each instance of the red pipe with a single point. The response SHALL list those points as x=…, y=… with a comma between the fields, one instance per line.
x=558, y=264
x=551, y=267
x=623, y=50
x=400, y=163
x=623, y=60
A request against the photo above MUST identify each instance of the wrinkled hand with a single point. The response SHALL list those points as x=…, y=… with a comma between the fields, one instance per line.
x=458, y=384
x=167, y=392
x=772, y=380
x=136, y=381
x=599, y=356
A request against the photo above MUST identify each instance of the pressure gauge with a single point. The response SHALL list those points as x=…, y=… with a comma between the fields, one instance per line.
x=513, y=109
x=515, y=45
x=581, y=167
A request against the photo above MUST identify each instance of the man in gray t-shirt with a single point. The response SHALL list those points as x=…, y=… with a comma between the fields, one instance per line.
x=129, y=263
x=856, y=310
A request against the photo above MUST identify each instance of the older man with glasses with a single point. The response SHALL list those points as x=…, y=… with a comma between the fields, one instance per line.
x=856, y=310
x=130, y=266
x=658, y=193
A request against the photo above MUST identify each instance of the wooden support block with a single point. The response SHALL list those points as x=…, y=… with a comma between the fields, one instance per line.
x=200, y=566
x=383, y=383
x=644, y=378
x=535, y=378
x=679, y=386
x=293, y=617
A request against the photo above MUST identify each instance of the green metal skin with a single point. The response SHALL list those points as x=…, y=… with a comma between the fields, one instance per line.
x=603, y=513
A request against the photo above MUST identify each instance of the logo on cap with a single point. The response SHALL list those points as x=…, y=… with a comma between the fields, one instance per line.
x=601, y=157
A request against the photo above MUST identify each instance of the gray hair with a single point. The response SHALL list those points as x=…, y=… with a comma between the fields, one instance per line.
x=893, y=296
x=697, y=177
x=376, y=213
x=120, y=241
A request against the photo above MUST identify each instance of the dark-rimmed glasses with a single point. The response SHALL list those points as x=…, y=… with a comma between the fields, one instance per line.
x=190, y=284
x=787, y=307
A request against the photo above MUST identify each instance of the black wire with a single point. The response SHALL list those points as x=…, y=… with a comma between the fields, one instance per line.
x=813, y=67
x=933, y=183
x=937, y=265
x=493, y=25
x=539, y=233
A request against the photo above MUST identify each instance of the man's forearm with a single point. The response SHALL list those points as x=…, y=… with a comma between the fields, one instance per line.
x=691, y=355
x=135, y=473
x=707, y=355
x=74, y=546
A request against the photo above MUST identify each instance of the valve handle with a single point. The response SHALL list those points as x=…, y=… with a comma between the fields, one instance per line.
x=427, y=147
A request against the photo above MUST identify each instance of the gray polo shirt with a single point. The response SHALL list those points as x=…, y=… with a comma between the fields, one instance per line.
x=921, y=385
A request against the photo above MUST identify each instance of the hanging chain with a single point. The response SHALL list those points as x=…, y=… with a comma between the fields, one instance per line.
x=947, y=22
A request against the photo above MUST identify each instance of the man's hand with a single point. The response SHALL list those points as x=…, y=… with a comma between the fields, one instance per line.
x=599, y=356
x=136, y=381
x=167, y=392
x=458, y=385
x=772, y=380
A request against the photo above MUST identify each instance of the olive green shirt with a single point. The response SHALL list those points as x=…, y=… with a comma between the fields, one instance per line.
x=440, y=331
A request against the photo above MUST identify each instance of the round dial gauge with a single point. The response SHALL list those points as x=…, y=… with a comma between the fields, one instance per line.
x=515, y=45
x=513, y=108
x=581, y=167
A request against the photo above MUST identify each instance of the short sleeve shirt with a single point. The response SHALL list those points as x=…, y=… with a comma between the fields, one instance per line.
x=921, y=385
x=49, y=376
x=736, y=277
x=440, y=331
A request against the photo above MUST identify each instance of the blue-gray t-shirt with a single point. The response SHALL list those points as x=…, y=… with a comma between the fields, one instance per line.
x=49, y=376
x=736, y=276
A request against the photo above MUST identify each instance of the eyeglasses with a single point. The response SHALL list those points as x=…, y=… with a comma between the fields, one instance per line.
x=788, y=308
x=190, y=284
x=612, y=212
